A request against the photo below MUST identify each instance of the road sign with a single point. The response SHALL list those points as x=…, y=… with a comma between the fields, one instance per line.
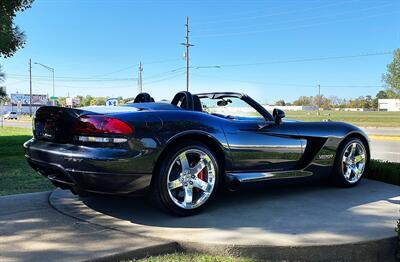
x=112, y=102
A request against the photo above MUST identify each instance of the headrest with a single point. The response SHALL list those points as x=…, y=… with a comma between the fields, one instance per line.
x=143, y=98
x=185, y=98
x=197, y=104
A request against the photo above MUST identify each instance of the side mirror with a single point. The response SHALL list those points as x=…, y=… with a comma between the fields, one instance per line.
x=278, y=115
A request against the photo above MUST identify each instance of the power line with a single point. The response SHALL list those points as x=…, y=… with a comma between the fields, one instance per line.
x=132, y=66
x=287, y=84
x=267, y=15
x=167, y=78
x=297, y=21
x=172, y=75
x=308, y=59
x=161, y=61
x=70, y=78
x=295, y=27
x=236, y=14
x=166, y=72
x=89, y=79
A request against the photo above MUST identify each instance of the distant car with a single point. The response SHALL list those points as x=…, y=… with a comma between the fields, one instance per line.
x=11, y=115
x=185, y=150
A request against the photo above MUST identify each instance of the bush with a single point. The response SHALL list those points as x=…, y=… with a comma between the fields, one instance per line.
x=384, y=171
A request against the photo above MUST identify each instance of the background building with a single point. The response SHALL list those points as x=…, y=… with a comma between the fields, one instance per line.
x=392, y=105
x=20, y=103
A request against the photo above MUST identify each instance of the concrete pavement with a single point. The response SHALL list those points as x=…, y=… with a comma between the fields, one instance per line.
x=31, y=230
x=303, y=222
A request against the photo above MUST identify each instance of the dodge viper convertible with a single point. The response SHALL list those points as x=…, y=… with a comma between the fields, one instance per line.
x=184, y=151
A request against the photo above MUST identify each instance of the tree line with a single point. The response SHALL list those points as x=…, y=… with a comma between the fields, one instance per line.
x=367, y=102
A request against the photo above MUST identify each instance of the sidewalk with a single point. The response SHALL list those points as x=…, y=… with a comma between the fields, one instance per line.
x=31, y=230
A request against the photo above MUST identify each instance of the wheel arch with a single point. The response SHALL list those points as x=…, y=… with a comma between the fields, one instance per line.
x=211, y=142
x=360, y=136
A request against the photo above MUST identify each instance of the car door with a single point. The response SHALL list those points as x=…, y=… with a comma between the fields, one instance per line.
x=262, y=146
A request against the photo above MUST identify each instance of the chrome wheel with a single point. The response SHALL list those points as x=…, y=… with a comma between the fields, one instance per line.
x=191, y=178
x=353, y=162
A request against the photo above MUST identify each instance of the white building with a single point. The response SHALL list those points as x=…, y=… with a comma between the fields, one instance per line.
x=392, y=105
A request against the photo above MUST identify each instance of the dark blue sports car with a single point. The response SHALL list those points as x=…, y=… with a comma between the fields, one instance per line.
x=184, y=151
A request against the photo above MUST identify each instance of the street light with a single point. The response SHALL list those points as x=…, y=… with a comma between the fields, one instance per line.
x=51, y=70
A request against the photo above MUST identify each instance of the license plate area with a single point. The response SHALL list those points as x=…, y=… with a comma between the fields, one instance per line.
x=45, y=130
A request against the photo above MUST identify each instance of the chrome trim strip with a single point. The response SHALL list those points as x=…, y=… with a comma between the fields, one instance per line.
x=255, y=176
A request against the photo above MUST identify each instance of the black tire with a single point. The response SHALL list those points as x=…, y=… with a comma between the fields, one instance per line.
x=338, y=176
x=159, y=189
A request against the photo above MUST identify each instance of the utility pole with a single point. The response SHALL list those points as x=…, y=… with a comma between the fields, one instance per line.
x=319, y=98
x=187, y=45
x=140, y=83
x=30, y=87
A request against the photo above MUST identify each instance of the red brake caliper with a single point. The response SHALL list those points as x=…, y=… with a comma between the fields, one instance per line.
x=202, y=176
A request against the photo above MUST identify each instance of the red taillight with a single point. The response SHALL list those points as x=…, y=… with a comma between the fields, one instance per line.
x=99, y=124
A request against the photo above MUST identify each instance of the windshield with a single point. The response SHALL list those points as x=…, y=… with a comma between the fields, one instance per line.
x=230, y=107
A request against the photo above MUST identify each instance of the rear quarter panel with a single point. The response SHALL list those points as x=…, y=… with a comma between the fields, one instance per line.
x=155, y=130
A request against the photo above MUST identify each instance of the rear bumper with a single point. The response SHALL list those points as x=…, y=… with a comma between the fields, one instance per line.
x=102, y=170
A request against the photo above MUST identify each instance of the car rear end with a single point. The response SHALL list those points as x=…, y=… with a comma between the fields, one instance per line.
x=84, y=150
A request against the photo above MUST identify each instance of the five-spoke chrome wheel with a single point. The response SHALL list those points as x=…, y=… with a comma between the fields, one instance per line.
x=191, y=178
x=353, y=162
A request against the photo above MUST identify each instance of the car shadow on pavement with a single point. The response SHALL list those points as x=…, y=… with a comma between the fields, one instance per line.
x=288, y=208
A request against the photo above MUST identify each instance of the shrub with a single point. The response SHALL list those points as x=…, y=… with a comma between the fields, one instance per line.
x=384, y=171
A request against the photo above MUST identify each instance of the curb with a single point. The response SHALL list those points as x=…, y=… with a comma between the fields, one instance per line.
x=369, y=251
x=384, y=137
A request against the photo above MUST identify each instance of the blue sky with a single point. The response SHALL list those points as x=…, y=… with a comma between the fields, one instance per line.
x=95, y=47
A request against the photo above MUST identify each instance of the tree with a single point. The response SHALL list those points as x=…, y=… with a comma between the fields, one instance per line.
x=303, y=101
x=3, y=93
x=280, y=103
x=369, y=103
x=62, y=101
x=392, y=77
x=2, y=75
x=382, y=95
x=322, y=102
x=11, y=37
x=2, y=89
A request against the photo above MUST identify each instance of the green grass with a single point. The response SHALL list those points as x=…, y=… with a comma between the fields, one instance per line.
x=16, y=176
x=384, y=171
x=366, y=119
x=182, y=257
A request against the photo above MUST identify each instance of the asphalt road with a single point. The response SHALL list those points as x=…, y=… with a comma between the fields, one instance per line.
x=385, y=150
x=381, y=149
